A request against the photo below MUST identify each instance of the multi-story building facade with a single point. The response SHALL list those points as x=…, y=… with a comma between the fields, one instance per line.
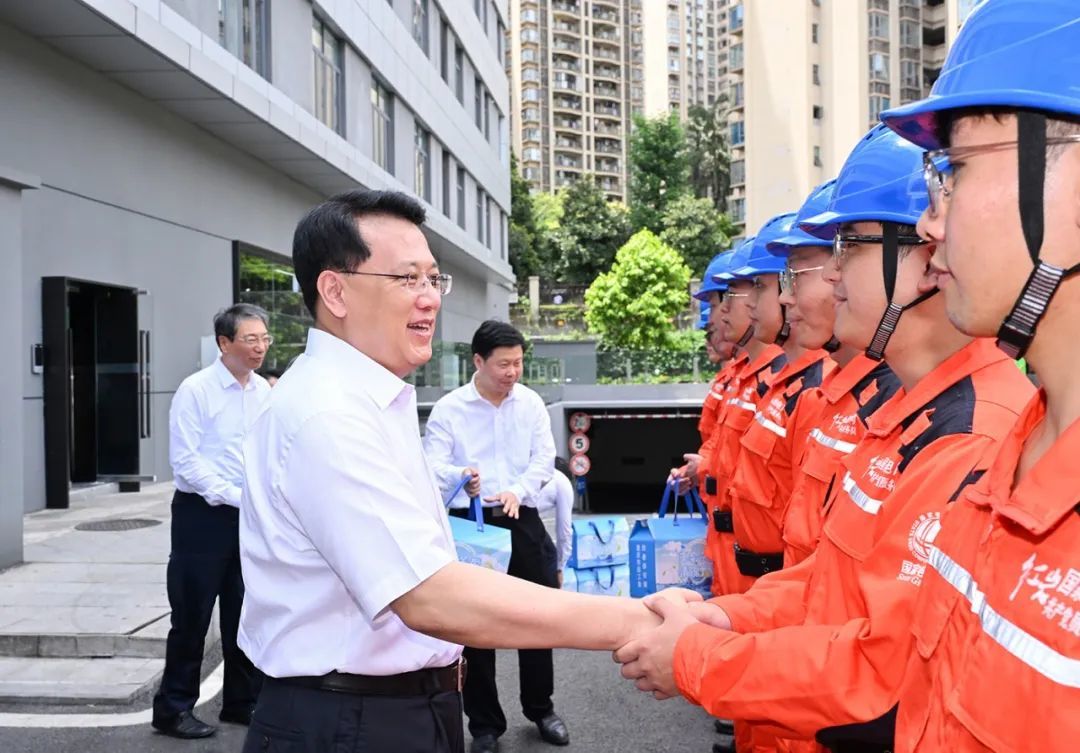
x=685, y=55
x=570, y=112
x=806, y=81
x=155, y=156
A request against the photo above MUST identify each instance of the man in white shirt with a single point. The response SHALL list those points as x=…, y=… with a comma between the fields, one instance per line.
x=356, y=605
x=207, y=419
x=497, y=432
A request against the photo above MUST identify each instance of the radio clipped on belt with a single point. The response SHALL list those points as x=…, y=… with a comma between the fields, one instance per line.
x=710, y=485
x=755, y=564
x=722, y=521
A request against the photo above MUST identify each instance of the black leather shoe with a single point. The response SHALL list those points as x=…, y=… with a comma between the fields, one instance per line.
x=236, y=716
x=484, y=744
x=553, y=730
x=185, y=726
x=724, y=726
x=723, y=748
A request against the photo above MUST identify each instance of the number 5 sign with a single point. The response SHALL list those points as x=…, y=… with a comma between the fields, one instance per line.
x=579, y=443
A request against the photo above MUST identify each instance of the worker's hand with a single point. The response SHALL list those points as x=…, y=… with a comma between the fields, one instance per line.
x=711, y=614
x=473, y=487
x=648, y=658
x=509, y=501
x=676, y=595
x=693, y=462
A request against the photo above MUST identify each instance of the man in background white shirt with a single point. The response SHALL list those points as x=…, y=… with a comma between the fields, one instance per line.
x=207, y=420
x=356, y=606
x=497, y=432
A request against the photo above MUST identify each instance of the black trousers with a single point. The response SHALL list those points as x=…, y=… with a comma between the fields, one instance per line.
x=291, y=719
x=204, y=565
x=533, y=559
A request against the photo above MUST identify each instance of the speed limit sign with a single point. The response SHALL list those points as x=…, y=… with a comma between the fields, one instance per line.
x=580, y=422
x=579, y=443
x=580, y=465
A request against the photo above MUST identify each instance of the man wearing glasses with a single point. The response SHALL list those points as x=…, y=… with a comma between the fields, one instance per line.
x=207, y=421
x=356, y=606
x=819, y=650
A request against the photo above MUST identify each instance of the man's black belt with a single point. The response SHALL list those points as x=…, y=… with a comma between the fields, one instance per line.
x=710, y=484
x=858, y=746
x=422, y=682
x=723, y=521
x=756, y=564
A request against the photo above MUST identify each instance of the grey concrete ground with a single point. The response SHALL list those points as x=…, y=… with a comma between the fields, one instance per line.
x=605, y=714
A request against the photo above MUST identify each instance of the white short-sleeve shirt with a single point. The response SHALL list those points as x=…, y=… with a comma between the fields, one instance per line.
x=341, y=516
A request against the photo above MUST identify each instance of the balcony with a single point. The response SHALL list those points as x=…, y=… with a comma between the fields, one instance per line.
x=607, y=146
x=735, y=19
x=561, y=142
x=608, y=166
x=567, y=162
x=561, y=7
x=571, y=124
x=605, y=71
x=613, y=4
x=909, y=14
x=605, y=90
x=606, y=129
x=605, y=15
x=605, y=54
x=565, y=64
x=566, y=47
x=566, y=28
x=566, y=103
x=606, y=111
x=610, y=185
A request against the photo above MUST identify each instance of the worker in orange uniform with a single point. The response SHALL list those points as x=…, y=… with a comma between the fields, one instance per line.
x=997, y=623
x=763, y=477
x=830, y=421
x=822, y=646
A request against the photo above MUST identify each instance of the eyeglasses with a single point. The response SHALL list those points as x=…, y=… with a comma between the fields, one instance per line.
x=842, y=244
x=938, y=164
x=252, y=340
x=789, y=275
x=412, y=281
x=727, y=295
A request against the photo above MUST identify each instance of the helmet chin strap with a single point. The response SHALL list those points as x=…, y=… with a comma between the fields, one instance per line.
x=890, y=263
x=832, y=346
x=1018, y=330
x=746, y=336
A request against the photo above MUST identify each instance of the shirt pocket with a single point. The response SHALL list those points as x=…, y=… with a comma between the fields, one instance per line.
x=848, y=525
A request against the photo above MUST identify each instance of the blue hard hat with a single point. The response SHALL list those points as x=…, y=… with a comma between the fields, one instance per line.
x=761, y=262
x=740, y=254
x=703, y=316
x=708, y=282
x=881, y=181
x=1009, y=53
x=815, y=204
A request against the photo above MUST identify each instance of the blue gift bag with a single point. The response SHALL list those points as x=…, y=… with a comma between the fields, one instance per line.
x=600, y=542
x=602, y=581
x=569, y=579
x=667, y=552
x=477, y=544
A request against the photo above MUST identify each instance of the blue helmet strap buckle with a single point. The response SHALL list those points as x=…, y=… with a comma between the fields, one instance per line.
x=890, y=262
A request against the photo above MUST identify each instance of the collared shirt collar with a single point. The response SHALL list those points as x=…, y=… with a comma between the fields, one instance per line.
x=846, y=378
x=226, y=378
x=472, y=394
x=800, y=364
x=373, y=378
x=1044, y=495
x=976, y=355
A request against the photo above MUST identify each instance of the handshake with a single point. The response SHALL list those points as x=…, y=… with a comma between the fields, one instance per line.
x=647, y=657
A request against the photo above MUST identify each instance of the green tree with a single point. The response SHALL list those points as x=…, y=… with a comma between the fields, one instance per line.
x=659, y=169
x=523, y=238
x=710, y=157
x=589, y=232
x=635, y=304
x=695, y=229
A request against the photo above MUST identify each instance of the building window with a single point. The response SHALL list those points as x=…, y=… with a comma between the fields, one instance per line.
x=735, y=57
x=461, y=197
x=447, y=183
x=814, y=33
x=879, y=26
x=420, y=25
x=738, y=132
x=242, y=30
x=910, y=72
x=478, y=103
x=382, y=127
x=878, y=103
x=500, y=43
x=480, y=202
x=817, y=156
x=738, y=172
x=266, y=279
x=487, y=116
x=444, y=49
x=738, y=210
x=818, y=112
x=329, y=52
x=737, y=94
x=879, y=67
x=422, y=168
x=817, y=74
x=459, y=73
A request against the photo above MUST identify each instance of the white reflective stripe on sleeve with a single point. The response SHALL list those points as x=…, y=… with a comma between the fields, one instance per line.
x=775, y=428
x=742, y=404
x=865, y=502
x=1021, y=644
x=833, y=444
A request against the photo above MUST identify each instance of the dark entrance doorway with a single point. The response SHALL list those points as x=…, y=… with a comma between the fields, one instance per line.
x=97, y=386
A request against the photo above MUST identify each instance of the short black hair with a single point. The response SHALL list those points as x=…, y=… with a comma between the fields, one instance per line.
x=329, y=238
x=227, y=320
x=494, y=334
